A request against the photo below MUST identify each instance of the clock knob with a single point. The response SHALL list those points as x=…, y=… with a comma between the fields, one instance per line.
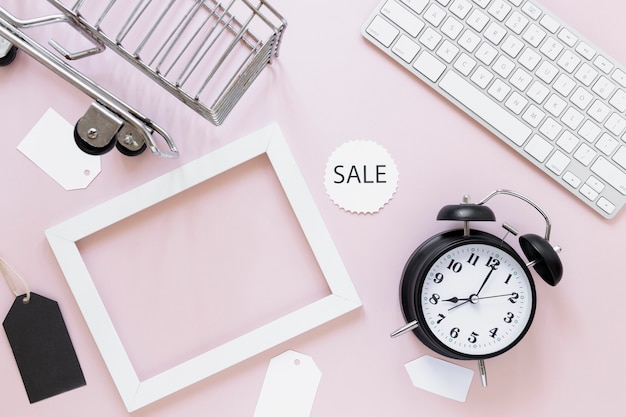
x=544, y=258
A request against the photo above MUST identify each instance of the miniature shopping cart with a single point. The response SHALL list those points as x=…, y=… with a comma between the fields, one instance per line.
x=200, y=51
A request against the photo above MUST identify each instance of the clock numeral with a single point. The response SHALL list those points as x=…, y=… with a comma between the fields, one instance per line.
x=508, y=279
x=454, y=333
x=493, y=332
x=434, y=299
x=493, y=263
x=514, y=297
x=438, y=278
x=473, y=259
x=473, y=337
x=441, y=317
x=509, y=317
x=455, y=266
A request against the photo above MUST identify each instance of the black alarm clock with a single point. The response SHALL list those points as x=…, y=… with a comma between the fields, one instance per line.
x=467, y=294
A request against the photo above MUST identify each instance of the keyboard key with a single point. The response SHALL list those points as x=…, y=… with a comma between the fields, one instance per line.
x=567, y=142
x=615, y=124
x=555, y=105
x=533, y=115
x=558, y=162
x=598, y=111
x=551, y=48
x=534, y=35
x=531, y=10
x=447, y=51
x=434, y=15
x=405, y=48
x=619, y=100
x=572, y=118
x=452, y=27
x=581, y=98
x=588, y=192
x=482, y=3
x=521, y=79
x=585, y=154
x=606, y=144
x=538, y=148
x=549, y=23
x=610, y=173
x=603, y=64
x=477, y=20
x=568, y=61
x=546, y=72
x=538, y=92
x=495, y=33
x=571, y=179
x=516, y=102
x=564, y=85
x=499, y=90
x=512, y=46
x=402, y=17
x=486, y=53
x=550, y=128
x=430, y=38
x=589, y=131
x=482, y=77
x=620, y=77
x=503, y=66
x=499, y=9
x=529, y=59
x=585, y=50
x=568, y=37
x=465, y=64
x=603, y=87
x=606, y=205
x=586, y=74
x=516, y=22
x=417, y=6
x=429, y=66
x=620, y=156
x=382, y=30
x=469, y=40
x=460, y=8
x=485, y=108
x=595, y=184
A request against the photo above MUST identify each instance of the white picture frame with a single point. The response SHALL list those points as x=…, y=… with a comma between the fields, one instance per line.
x=138, y=393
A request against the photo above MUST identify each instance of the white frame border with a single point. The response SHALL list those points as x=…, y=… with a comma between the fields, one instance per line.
x=136, y=393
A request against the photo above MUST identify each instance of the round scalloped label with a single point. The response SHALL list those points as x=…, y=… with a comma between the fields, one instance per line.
x=361, y=176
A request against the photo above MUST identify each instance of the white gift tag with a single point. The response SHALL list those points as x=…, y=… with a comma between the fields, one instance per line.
x=51, y=147
x=290, y=386
x=440, y=377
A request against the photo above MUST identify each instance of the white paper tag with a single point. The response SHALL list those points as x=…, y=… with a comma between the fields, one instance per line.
x=440, y=377
x=290, y=386
x=50, y=146
x=361, y=176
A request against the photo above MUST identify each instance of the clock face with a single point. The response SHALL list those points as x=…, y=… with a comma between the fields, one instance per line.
x=476, y=299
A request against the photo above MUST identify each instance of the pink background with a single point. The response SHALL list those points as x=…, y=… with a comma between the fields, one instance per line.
x=213, y=263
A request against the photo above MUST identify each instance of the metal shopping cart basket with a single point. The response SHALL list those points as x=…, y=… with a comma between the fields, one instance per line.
x=200, y=51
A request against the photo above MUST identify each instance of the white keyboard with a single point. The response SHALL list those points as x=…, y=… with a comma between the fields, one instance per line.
x=526, y=76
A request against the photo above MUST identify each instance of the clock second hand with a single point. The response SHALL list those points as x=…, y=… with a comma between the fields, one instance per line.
x=472, y=298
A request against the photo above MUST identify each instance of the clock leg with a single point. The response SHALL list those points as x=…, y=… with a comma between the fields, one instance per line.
x=483, y=372
x=405, y=329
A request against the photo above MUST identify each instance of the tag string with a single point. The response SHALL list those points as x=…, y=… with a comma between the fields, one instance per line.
x=5, y=268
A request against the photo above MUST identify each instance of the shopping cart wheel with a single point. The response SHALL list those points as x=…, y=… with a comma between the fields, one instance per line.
x=7, y=52
x=130, y=141
x=96, y=131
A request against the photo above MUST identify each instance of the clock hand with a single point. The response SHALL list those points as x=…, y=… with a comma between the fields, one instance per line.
x=485, y=281
x=459, y=305
x=495, y=296
x=456, y=299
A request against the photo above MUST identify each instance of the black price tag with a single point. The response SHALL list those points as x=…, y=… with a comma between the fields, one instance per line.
x=42, y=348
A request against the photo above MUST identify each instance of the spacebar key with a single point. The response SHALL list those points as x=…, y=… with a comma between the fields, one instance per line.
x=485, y=108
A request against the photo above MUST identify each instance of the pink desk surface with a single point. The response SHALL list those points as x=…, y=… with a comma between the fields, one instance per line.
x=198, y=270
